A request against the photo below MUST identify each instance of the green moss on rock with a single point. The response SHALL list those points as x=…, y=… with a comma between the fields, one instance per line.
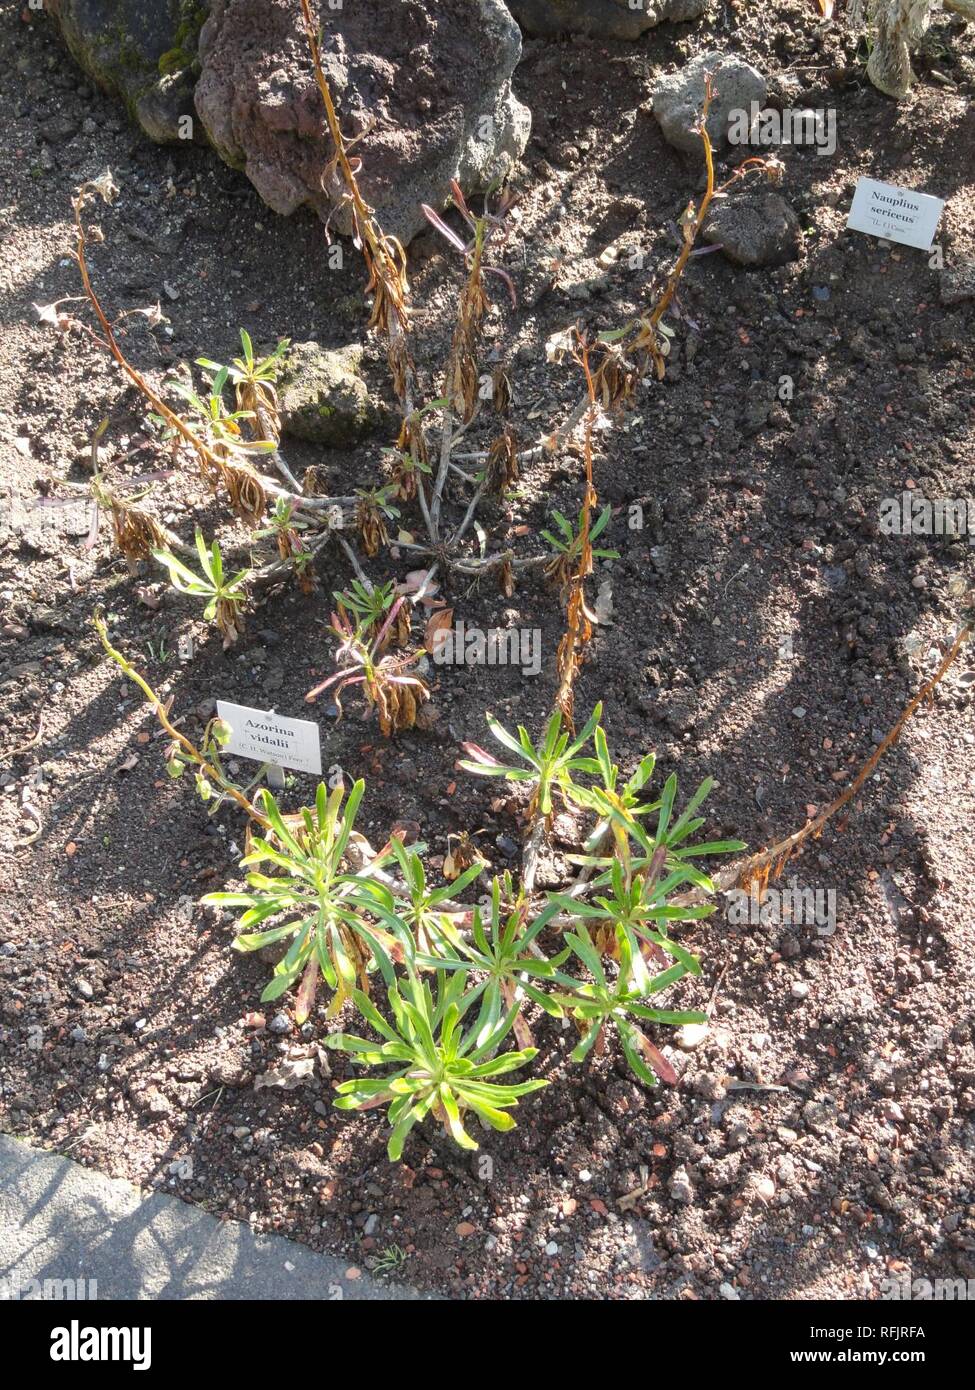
x=323, y=398
x=144, y=54
x=185, y=50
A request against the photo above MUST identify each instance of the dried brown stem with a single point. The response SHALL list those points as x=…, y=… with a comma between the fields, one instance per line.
x=211, y=462
x=384, y=256
x=192, y=752
x=771, y=862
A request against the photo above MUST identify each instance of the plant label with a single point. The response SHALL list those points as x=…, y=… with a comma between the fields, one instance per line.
x=897, y=214
x=270, y=738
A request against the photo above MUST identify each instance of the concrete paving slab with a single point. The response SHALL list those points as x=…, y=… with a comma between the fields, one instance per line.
x=67, y=1231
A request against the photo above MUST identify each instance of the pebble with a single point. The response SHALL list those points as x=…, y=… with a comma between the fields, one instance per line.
x=800, y=990
x=280, y=1023
x=691, y=1036
x=817, y=1116
x=680, y=1187
x=84, y=989
x=765, y=1189
x=730, y=1292
x=737, y=1134
x=551, y=1248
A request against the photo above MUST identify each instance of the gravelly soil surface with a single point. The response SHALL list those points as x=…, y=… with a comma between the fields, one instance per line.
x=765, y=632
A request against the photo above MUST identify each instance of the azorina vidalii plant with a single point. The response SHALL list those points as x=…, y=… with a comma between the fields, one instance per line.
x=433, y=1064
x=548, y=767
x=331, y=909
x=225, y=597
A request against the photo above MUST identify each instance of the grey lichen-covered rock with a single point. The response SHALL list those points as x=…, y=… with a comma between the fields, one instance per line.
x=424, y=88
x=679, y=99
x=958, y=283
x=145, y=54
x=755, y=228
x=323, y=398
x=609, y=19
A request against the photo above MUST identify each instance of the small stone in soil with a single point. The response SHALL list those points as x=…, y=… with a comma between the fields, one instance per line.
x=691, y=1036
x=680, y=1187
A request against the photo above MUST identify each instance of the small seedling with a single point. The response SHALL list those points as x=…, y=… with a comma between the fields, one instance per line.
x=389, y=1259
x=374, y=508
x=550, y=765
x=225, y=598
x=287, y=527
x=368, y=605
x=159, y=651
x=253, y=379
x=219, y=427
x=569, y=545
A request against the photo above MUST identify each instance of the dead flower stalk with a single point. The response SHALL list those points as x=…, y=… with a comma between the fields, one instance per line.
x=384, y=256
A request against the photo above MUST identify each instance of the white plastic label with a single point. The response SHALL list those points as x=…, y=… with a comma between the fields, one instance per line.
x=897, y=214
x=270, y=738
